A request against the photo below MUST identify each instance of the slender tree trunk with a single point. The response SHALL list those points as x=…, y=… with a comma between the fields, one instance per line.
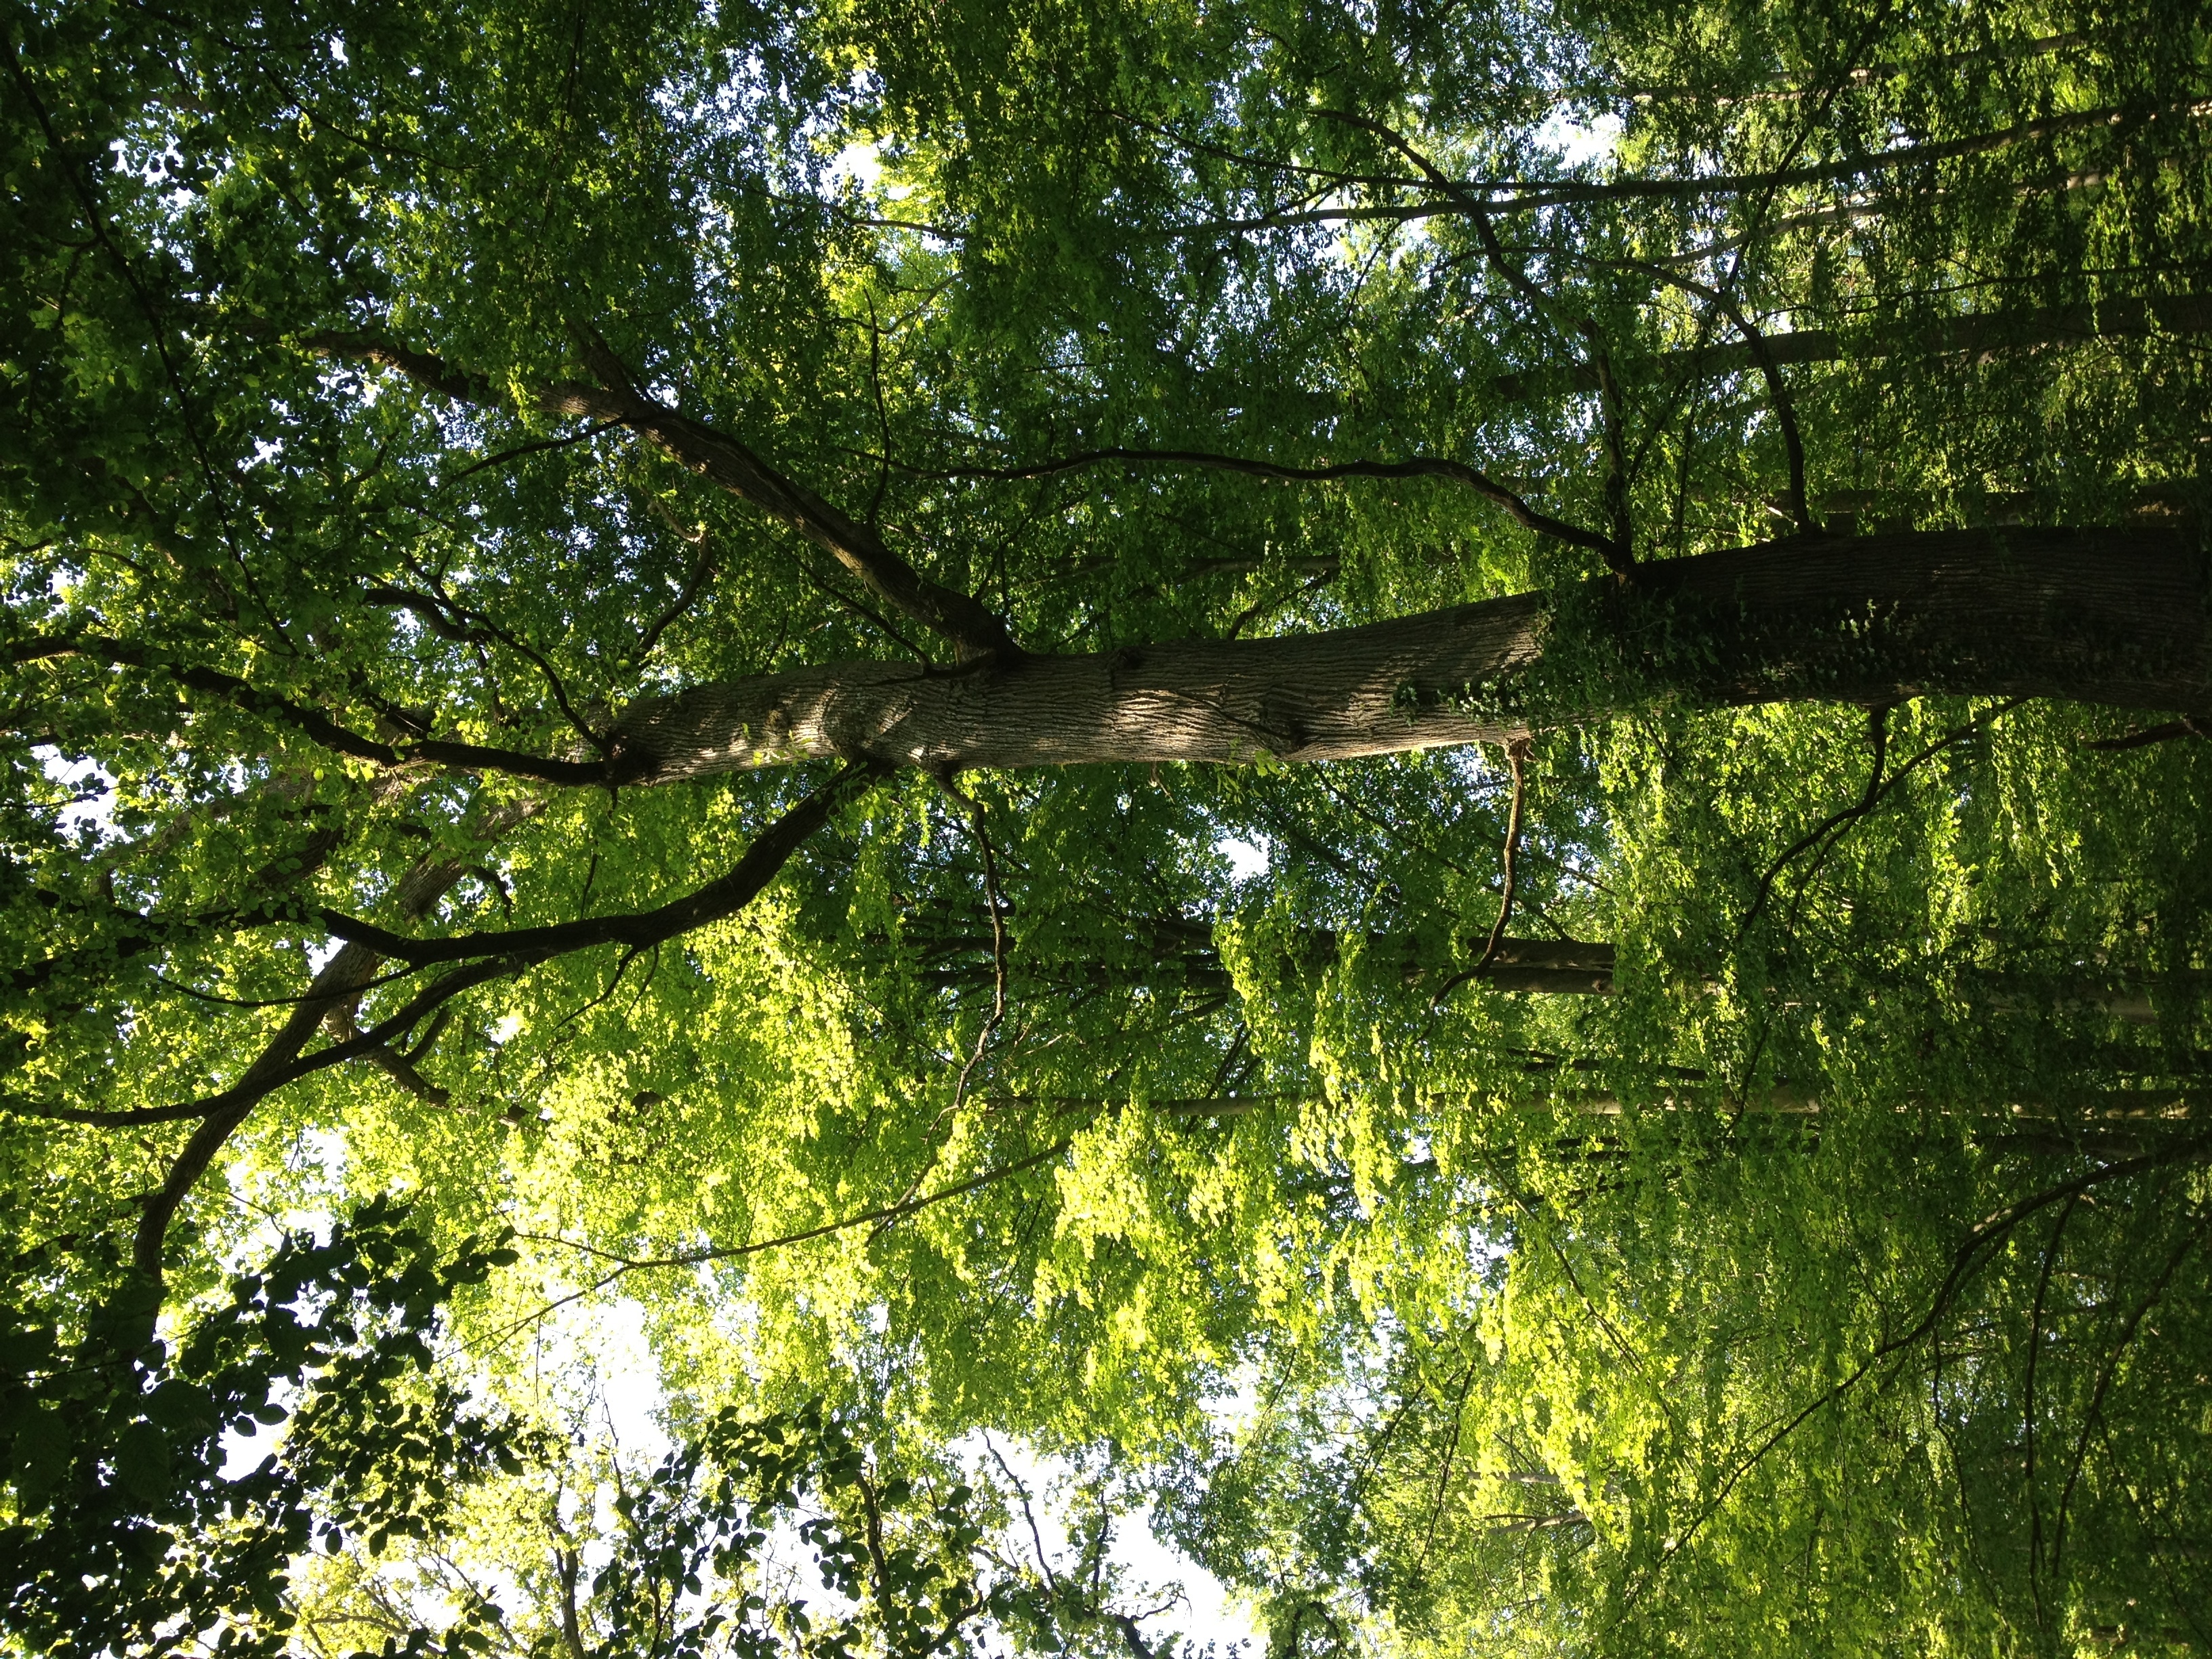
x=1975, y=334
x=1183, y=953
x=2111, y=615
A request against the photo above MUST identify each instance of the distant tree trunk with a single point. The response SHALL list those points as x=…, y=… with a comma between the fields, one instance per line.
x=1181, y=952
x=1973, y=334
x=2111, y=615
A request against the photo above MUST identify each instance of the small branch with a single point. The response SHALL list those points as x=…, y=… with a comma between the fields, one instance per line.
x=693, y=582
x=998, y=904
x=1259, y=608
x=1878, y=732
x=975, y=631
x=2105, y=1376
x=1516, y=754
x=627, y=1265
x=2034, y=1353
x=281, y=1063
x=1451, y=472
x=521, y=450
x=722, y=898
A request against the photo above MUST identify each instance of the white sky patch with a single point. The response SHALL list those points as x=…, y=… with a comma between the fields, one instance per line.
x=861, y=162
x=1248, y=860
x=1577, y=143
x=82, y=778
x=611, y=1336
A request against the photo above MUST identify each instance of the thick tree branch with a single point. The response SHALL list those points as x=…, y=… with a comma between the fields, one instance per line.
x=2105, y=616
x=641, y=930
x=282, y=1062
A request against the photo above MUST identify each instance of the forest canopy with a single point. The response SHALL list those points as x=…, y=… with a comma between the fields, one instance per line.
x=1428, y=783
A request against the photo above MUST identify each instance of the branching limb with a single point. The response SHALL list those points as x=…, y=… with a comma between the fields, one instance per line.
x=1878, y=736
x=639, y=930
x=2105, y=1376
x=311, y=722
x=1984, y=1237
x=1878, y=786
x=974, y=630
x=282, y=1062
x=1619, y=549
x=1777, y=389
x=1521, y=195
x=695, y=583
x=2186, y=726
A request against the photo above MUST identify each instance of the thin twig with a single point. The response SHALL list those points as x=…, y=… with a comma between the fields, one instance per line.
x=627, y=1265
x=972, y=811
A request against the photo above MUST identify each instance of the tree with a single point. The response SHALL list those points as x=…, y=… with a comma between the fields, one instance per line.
x=578, y=610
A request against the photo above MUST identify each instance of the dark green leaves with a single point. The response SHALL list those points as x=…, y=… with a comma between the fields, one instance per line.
x=129, y=1530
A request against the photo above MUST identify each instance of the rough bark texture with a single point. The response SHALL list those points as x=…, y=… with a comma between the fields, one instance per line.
x=2107, y=615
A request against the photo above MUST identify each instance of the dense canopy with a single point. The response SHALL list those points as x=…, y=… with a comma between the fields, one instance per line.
x=1429, y=780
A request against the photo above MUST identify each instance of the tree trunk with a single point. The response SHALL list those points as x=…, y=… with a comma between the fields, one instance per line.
x=1183, y=953
x=1976, y=334
x=2112, y=616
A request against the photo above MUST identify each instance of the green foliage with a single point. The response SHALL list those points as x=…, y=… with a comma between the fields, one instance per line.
x=126, y=1532
x=1831, y=1284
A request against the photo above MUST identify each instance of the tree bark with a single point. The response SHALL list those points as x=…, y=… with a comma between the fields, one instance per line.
x=2110, y=615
